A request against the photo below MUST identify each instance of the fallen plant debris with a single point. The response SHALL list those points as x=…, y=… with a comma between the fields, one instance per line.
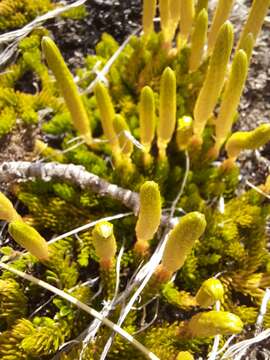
x=153, y=133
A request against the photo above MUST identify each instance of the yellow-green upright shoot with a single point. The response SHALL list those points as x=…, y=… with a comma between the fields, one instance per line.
x=175, y=11
x=201, y=4
x=187, y=16
x=210, y=291
x=7, y=210
x=149, y=215
x=255, y=20
x=26, y=236
x=149, y=11
x=215, y=78
x=165, y=18
x=231, y=97
x=107, y=115
x=68, y=88
x=181, y=240
x=221, y=15
x=167, y=110
x=120, y=127
x=104, y=243
x=247, y=45
x=198, y=40
x=147, y=118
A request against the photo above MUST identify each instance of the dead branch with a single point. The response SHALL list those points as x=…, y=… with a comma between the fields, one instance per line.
x=74, y=174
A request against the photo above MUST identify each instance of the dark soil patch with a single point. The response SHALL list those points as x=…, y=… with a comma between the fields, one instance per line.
x=77, y=38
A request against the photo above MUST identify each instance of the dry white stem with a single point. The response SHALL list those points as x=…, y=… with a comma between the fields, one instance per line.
x=257, y=189
x=238, y=350
x=94, y=327
x=213, y=354
x=84, y=307
x=263, y=310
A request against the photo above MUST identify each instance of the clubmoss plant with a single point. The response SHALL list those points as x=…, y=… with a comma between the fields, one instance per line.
x=147, y=121
x=187, y=16
x=149, y=11
x=167, y=110
x=198, y=38
x=221, y=15
x=212, y=323
x=255, y=20
x=184, y=355
x=107, y=115
x=104, y=243
x=68, y=88
x=214, y=81
x=26, y=236
x=230, y=99
x=211, y=291
x=149, y=216
x=126, y=145
x=184, y=132
x=247, y=140
x=165, y=113
x=180, y=242
x=7, y=210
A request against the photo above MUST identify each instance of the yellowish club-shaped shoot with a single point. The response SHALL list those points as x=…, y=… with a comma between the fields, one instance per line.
x=198, y=40
x=126, y=145
x=221, y=15
x=175, y=11
x=7, y=210
x=26, y=236
x=214, y=81
x=149, y=216
x=211, y=291
x=165, y=18
x=147, y=121
x=248, y=45
x=201, y=4
x=184, y=132
x=184, y=355
x=179, y=244
x=255, y=20
x=246, y=140
x=107, y=115
x=211, y=323
x=230, y=99
x=149, y=12
x=167, y=110
x=104, y=243
x=187, y=16
x=68, y=89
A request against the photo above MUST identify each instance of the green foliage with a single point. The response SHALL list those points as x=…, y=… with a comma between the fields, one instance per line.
x=76, y=13
x=12, y=301
x=16, y=13
x=7, y=121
